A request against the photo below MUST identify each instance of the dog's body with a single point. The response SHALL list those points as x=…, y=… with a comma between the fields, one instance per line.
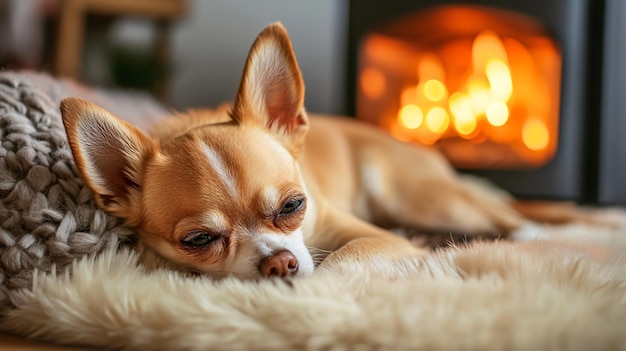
x=243, y=192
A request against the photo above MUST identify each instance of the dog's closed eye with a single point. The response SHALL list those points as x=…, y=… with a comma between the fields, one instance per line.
x=291, y=213
x=204, y=246
x=291, y=206
x=199, y=238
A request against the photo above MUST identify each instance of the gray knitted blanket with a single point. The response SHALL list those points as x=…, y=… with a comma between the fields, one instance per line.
x=47, y=216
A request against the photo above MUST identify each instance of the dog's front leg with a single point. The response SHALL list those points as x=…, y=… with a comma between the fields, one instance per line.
x=349, y=238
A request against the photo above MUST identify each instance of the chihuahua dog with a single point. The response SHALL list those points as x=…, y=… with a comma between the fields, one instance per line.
x=247, y=190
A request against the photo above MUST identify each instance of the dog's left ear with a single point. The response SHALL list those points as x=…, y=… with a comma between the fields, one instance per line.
x=271, y=91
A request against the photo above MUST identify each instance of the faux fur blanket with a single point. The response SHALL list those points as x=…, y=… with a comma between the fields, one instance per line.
x=535, y=295
x=498, y=296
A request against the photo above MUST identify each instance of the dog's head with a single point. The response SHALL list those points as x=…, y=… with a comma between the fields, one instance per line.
x=224, y=198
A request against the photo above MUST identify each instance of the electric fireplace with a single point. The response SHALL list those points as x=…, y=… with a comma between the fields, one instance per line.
x=508, y=90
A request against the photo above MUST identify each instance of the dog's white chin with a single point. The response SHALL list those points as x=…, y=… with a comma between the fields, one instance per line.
x=295, y=244
x=305, y=264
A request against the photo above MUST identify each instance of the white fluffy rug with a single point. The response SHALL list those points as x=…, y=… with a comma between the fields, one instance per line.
x=489, y=296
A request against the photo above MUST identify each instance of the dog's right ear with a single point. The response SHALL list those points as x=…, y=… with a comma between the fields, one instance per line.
x=271, y=92
x=110, y=155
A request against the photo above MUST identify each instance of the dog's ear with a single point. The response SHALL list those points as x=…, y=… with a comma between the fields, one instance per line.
x=271, y=91
x=110, y=155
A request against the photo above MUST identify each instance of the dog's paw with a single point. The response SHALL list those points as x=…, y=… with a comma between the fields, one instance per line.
x=610, y=217
x=609, y=234
x=530, y=231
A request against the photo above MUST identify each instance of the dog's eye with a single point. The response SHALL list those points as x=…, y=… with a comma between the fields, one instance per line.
x=199, y=239
x=291, y=206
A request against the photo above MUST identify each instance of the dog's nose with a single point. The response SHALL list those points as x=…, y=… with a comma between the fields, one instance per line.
x=281, y=264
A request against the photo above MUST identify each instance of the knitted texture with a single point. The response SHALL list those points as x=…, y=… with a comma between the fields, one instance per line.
x=47, y=216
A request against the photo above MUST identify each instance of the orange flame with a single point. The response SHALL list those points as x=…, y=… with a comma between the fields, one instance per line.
x=481, y=105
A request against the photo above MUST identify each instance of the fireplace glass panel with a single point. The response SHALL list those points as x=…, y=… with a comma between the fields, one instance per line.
x=479, y=84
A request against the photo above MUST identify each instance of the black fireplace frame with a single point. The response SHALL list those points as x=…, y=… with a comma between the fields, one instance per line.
x=586, y=167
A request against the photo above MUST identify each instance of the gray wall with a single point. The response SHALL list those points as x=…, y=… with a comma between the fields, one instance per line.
x=210, y=47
